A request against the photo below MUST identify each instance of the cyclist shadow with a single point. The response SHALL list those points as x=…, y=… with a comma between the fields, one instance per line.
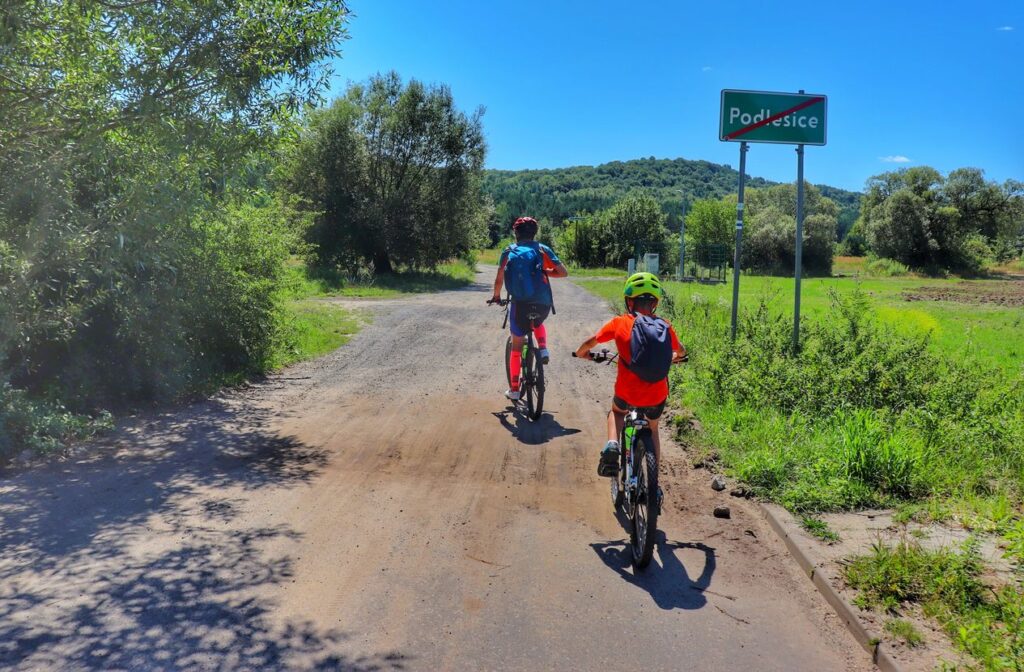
x=529, y=432
x=666, y=578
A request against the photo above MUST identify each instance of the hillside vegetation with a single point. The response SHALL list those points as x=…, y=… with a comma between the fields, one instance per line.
x=558, y=193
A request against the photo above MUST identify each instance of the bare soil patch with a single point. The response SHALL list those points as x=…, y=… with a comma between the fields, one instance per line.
x=996, y=292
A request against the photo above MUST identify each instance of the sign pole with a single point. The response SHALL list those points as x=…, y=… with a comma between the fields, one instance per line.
x=682, y=242
x=799, y=242
x=739, y=239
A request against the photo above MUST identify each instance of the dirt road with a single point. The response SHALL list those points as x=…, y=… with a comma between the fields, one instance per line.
x=381, y=508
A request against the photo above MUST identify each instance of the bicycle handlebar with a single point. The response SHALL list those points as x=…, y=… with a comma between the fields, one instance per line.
x=606, y=356
x=500, y=302
x=602, y=356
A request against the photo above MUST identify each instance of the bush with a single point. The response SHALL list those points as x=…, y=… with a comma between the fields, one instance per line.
x=886, y=268
x=974, y=257
x=41, y=427
x=146, y=315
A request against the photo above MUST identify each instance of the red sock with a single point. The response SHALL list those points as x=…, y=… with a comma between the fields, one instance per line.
x=516, y=367
x=541, y=333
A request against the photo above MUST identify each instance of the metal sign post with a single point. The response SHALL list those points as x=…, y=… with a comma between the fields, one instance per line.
x=682, y=242
x=739, y=239
x=799, y=243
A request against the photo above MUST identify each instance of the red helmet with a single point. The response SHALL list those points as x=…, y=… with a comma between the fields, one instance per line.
x=523, y=220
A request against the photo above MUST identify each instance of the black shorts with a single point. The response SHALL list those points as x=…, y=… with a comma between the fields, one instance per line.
x=650, y=412
x=519, y=315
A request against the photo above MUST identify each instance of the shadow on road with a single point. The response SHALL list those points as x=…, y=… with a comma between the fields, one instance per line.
x=124, y=563
x=666, y=578
x=531, y=433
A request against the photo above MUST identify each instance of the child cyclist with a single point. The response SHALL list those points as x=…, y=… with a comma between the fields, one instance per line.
x=643, y=384
x=524, y=268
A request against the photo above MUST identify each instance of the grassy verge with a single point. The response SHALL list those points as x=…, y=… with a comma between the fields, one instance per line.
x=947, y=584
x=313, y=329
x=302, y=282
x=578, y=272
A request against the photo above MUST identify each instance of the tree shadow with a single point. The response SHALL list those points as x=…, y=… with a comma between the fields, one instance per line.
x=532, y=433
x=666, y=579
x=87, y=583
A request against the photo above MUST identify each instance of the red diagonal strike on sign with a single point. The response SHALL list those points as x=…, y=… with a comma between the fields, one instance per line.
x=780, y=115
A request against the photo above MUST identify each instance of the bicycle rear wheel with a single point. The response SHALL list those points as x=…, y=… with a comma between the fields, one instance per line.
x=534, y=381
x=645, y=508
x=508, y=361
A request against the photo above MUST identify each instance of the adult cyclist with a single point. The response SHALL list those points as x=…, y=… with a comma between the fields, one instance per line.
x=529, y=264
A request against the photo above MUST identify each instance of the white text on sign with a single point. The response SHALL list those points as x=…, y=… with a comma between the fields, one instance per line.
x=796, y=120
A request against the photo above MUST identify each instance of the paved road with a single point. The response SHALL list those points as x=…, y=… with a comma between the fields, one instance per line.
x=381, y=508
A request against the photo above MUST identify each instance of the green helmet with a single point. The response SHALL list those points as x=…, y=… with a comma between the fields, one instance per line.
x=642, y=283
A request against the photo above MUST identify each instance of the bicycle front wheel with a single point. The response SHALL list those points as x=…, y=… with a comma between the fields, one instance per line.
x=645, y=509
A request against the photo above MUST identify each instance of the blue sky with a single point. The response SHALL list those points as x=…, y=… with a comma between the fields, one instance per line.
x=580, y=83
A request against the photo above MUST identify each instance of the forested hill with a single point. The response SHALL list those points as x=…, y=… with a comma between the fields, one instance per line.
x=562, y=192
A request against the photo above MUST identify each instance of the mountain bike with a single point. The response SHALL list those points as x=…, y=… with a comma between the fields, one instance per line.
x=634, y=488
x=531, y=378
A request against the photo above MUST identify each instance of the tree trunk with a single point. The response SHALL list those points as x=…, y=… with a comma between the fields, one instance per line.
x=382, y=262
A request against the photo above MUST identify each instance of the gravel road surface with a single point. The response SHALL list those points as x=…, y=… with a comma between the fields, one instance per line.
x=382, y=508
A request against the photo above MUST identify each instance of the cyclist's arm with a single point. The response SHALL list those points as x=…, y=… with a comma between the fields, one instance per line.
x=499, y=279
x=553, y=266
x=557, y=271
x=603, y=335
x=587, y=346
x=678, y=349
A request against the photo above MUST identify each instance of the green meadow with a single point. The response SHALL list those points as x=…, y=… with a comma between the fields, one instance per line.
x=963, y=318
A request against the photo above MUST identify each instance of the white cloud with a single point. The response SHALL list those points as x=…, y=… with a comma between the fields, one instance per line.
x=1005, y=29
x=706, y=68
x=898, y=158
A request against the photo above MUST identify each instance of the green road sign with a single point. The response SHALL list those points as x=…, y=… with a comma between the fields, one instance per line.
x=762, y=116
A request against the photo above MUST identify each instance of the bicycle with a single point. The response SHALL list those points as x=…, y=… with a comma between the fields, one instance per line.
x=531, y=378
x=634, y=488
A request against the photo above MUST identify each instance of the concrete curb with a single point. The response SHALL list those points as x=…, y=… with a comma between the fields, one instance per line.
x=822, y=580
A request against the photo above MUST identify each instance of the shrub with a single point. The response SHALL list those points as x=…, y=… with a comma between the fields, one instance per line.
x=886, y=268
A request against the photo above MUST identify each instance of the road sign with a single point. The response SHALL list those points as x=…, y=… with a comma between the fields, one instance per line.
x=781, y=118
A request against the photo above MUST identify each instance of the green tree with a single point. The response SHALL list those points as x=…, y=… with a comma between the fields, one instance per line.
x=898, y=229
x=635, y=222
x=393, y=171
x=709, y=222
x=131, y=271
x=961, y=222
x=769, y=243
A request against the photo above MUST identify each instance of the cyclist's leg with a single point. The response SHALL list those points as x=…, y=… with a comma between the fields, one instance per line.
x=653, y=414
x=616, y=418
x=609, y=463
x=541, y=332
x=515, y=363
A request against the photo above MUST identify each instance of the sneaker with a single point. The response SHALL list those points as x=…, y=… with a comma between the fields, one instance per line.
x=609, y=465
x=545, y=356
x=513, y=395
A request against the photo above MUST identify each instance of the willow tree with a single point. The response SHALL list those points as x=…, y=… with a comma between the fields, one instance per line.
x=394, y=171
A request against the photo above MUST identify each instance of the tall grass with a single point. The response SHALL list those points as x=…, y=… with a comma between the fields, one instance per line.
x=864, y=414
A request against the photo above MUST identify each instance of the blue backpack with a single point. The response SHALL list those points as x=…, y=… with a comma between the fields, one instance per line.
x=524, y=272
x=650, y=348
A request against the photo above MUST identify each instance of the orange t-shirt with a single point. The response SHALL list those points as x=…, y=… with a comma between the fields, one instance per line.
x=628, y=386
